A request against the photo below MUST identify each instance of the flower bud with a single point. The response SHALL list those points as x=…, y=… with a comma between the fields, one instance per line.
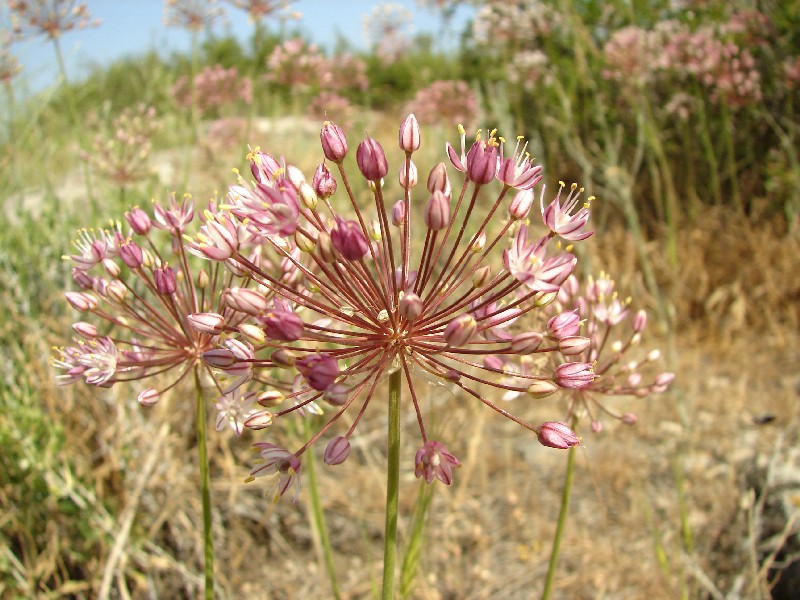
x=408, y=175
x=371, y=160
x=349, y=240
x=482, y=162
x=596, y=426
x=629, y=419
x=261, y=419
x=542, y=299
x=323, y=183
x=220, y=358
x=324, y=250
x=307, y=195
x=253, y=333
x=211, y=323
x=542, y=388
x=479, y=243
x=138, y=220
x=282, y=325
x=81, y=301
x=203, y=279
x=438, y=180
x=245, y=300
x=460, y=330
x=131, y=254
x=574, y=375
x=399, y=213
x=148, y=397
x=573, y=345
x=640, y=321
x=334, y=143
x=481, y=277
x=410, y=306
x=437, y=212
x=521, y=204
x=165, y=280
x=82, y=278
x=85, y=330
x=283, y=357
x=526, y=342
x=565, y=324
x=336, y=394
x=303, y=241
x=410, y=134
x=320, y=370
x=337, y=451
x=653, y=355
x=116, y=290
x=557, y=435
x=270, y=399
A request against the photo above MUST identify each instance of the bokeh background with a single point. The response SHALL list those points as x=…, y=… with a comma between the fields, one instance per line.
x=680, y=117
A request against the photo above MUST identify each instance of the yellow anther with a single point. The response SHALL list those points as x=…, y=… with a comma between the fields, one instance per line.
x=461, y=130
x=562, y=184
x=573, y=186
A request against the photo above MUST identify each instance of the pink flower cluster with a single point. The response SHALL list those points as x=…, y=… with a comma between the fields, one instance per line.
x=388, y=29
x=121, y=149
x=214, y=88
x=50, y=18
x=446, y=102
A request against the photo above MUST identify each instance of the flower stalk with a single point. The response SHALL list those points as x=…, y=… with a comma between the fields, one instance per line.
x=205, y=488
x=392, y=487
x=562, y=522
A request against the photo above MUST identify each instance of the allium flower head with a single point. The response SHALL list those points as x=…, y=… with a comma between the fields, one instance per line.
x=365, y=302
x=158, y=310
x=608, y=361
x=50, y=18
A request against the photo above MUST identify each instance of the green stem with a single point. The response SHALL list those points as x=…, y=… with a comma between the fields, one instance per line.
x=319, y=515
x=562, y=521
x=414, y=551
x=392, y=487
x=205, y=488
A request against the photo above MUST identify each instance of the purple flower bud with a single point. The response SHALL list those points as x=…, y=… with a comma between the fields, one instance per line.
x=82, y=278
x=138, y=220
x=460, y=330
x=334, y=143
x=437, y=212
x=526, y=342
x=323, y=183
x=336, y=394
x=371, y=160
x=261, y=419
x=337, y=451
x=409, y=134
x=564, y=324
x=438, y=180
x=410, y=306
x=283, y=325
x=211, y=323
x=574, y=375
x=148, y=397
x=557, y=435
x=85, y=330
x=573, y=345
x=521, y=204
x=482, y=162
x=131, y=254
x=81, y=301
x=220, y=358
x=349, y=240
x=165, y=280
x=399, y=213
x=245, y=300
x=321, y=370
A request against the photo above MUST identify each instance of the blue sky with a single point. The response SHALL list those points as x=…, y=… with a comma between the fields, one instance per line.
x=134, y=26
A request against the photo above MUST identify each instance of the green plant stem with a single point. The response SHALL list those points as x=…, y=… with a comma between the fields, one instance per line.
x=319, y=515
x=562, y=521
x=414, y=550
x=392, y=487
x=205, y=488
